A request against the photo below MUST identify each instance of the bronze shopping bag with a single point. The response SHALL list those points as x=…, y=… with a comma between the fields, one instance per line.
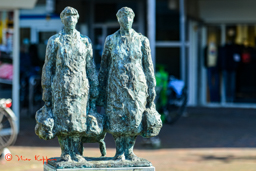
x=45, y=123
x=151, y=122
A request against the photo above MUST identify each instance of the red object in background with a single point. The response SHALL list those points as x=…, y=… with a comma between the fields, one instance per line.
x=6, y=71
x=8, y=105
x=246, y=57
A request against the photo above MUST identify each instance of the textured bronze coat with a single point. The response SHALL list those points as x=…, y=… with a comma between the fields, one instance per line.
x=126, y=74
x=68, y=66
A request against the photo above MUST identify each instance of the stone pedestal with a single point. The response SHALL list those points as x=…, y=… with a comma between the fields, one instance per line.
x=48, y=167
x=98, y=164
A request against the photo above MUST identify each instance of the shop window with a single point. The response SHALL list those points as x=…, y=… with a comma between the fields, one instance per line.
x=112, y=30
x=99, y=40
x=106, y=12
x=169, y=58
x=233, y=78
x=102, y=16
x=6, y=53
x=245, y=81
x=43, y=39
x=167, y=22
x=25, y=35
x=212, y=64
x=214, y=35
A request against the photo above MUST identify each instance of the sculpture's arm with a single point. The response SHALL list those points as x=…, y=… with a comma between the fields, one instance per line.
x=148, y=71
x=48, y=71
x=103, y=75
x=92, y=75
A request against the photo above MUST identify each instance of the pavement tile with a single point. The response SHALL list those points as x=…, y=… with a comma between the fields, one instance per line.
x=205, y=140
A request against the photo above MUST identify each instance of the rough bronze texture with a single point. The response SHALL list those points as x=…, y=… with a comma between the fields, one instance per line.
x=126, y=89
x=70, y=88
x=127, y=86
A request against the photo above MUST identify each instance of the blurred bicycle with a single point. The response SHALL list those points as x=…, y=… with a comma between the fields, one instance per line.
x=177, y=100
x=175, y=105
x=8, y=128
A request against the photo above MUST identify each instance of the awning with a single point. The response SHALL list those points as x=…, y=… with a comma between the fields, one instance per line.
x=17, y=4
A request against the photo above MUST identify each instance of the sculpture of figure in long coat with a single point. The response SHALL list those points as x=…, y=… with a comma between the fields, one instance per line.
x=69, y=79
x=127, y=84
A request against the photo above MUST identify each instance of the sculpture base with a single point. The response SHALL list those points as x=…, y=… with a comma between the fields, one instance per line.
x=101, y=164
x=48, y=167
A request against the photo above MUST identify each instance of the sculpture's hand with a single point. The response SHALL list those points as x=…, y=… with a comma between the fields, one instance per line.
x=151, y=97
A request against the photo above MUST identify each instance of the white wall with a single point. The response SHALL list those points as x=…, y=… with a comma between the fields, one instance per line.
x=15, y=4
x=228, y=11
x=38, y=9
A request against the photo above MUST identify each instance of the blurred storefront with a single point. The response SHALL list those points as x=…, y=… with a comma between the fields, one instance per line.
x=219, y=62
x=97, y=19
x=229, y=34
x=187, y=37
x=9, y=49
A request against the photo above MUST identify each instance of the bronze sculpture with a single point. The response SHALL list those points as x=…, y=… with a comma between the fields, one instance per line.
x=127, y=84
x=69, y=81
x=126, y=88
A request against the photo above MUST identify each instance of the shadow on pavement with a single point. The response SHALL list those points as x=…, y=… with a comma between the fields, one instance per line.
x=226, y=159
x=202, y=128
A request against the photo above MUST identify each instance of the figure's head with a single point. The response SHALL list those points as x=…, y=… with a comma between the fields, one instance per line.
x=69, y=17
x=125, y=17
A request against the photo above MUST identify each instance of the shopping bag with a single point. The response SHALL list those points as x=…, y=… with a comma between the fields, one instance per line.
x=151, y=122
x=95, y=124
x=45, y=123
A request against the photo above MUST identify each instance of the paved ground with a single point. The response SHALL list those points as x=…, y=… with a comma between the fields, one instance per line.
x=206, y=140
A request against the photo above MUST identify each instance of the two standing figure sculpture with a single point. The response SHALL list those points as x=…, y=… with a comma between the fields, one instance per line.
x=125, y=87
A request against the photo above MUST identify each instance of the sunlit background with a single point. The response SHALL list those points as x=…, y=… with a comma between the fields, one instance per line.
x=206, y=46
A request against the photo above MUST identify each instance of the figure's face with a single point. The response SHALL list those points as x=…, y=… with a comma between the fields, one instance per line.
x=125, y=21
x=70, y=20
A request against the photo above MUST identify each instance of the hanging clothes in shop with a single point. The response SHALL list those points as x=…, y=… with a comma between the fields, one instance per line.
x=213, y=74
x=246, y=54
x=246, y=75
x=230, y=55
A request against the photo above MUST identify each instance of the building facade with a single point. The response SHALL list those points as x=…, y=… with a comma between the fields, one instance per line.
x=192, y=39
